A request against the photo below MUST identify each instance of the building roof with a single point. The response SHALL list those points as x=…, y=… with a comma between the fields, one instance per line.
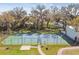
x=71, y=27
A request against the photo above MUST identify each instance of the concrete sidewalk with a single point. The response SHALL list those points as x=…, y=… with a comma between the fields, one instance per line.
x=61, y=51
x=40, y=50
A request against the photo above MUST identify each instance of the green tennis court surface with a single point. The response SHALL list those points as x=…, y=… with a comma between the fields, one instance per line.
x=34, y=39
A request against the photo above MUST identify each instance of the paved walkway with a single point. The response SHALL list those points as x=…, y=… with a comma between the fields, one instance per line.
x=60, y=52
x=40, y=50
x=25, y=47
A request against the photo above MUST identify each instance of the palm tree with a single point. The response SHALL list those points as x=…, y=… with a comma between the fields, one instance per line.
x=75, y=23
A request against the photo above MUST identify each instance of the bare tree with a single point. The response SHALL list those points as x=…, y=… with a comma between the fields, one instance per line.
x=19, y=15
x=38, y=12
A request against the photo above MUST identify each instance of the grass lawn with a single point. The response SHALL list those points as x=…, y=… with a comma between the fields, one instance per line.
x=14, y=50
x=71, y=52
x=53, y=31
x=52, y=49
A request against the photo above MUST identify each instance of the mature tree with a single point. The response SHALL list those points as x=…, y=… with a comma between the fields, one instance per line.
x=6, y=20
x=39, y=15
x=55, y=14
x=73, y=9
x=48, y=17
x=19, y=15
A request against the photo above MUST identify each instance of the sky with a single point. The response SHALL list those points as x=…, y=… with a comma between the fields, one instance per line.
x=27, y=6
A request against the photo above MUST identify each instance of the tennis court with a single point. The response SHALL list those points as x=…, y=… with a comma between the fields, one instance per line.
x=20, y=39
